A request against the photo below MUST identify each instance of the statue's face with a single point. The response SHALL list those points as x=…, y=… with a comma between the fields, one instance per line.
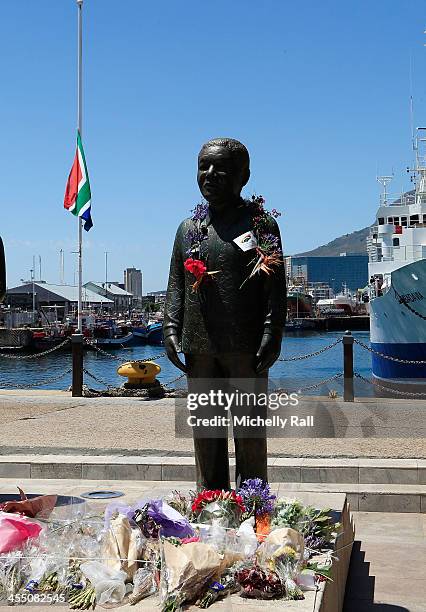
x=219, y=178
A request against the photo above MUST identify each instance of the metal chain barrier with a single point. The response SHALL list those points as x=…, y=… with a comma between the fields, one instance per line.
x=322, y=382
x=102, y=352
x=111, y=356
x=98, y=380
x=174, y=380
x=315, y=385
x=37, y=384
x=151, y=358
x=309, y=355
x=389, y=357
x=389, y=389
x=36, y=355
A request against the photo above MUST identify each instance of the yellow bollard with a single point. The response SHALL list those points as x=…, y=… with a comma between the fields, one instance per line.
x=140, y=373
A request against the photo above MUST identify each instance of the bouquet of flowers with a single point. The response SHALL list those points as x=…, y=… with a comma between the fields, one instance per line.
x=157, y=516
x=227, y=584
x=185, y=569
x=318, y=528
x=257, y=498
x=259, y=583
x=268, y=250
x=288, y=513
x=180, y=502
x=225, y=507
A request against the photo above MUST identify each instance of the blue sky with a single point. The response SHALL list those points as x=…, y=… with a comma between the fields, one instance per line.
x=318, y=91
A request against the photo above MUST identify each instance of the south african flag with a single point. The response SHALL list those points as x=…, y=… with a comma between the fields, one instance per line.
x=77, y=193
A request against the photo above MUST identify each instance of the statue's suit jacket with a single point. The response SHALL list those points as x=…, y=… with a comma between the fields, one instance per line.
x=226, y=314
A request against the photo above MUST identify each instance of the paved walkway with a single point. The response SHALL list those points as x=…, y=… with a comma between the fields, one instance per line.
x=388, y=565
x=54, y=422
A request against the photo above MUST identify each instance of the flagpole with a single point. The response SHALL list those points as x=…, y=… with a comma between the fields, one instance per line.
x=80, y=128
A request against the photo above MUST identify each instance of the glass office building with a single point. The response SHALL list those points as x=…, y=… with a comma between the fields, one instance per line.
x=347, y=269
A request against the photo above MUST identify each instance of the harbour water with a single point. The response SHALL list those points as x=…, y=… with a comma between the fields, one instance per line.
x=292, y=375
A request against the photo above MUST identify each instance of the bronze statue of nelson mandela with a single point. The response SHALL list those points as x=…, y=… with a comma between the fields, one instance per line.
x=228, y=326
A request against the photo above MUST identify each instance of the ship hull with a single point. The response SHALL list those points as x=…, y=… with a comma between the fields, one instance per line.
x=398, y=326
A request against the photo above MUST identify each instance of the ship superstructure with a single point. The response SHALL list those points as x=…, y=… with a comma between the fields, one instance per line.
x=397, y=270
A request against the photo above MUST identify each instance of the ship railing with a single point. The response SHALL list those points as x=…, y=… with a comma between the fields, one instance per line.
x=397, y=199
x=405, y=253
x=421, y=161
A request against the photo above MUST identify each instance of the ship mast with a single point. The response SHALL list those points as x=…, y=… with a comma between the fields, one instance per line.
x=384, y=181
x=420, y=169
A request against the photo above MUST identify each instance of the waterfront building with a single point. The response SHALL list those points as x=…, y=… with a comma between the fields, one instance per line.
x=159, y=296
x=349, y=270
x=121, y=299
x=133, y=282
x=62, y=298
x=320, y=291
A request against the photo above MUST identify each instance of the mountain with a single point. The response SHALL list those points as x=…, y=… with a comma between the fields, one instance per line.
x=349, y=243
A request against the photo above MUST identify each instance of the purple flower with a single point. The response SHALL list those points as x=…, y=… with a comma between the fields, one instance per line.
x=272, y=240
x=270, y=243
x=194, y=236
x=316, y=542
x=200, y=212
x=256, y=494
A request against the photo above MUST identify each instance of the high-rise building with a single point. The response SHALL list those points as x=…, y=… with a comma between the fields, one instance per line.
x=347, y=270
x=133, y=281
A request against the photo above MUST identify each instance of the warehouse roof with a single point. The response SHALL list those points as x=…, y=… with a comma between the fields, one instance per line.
x=69, y=293
x=111, y=288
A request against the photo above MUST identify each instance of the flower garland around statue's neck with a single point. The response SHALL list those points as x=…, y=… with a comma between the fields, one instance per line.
x=268, y=251
x=195, y=236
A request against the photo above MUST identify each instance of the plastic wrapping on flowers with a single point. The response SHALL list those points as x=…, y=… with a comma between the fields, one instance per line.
x=227, y=516
x=195, y=548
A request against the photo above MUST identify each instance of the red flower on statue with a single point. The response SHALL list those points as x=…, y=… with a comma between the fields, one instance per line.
x=199, y=269
x=196, y=267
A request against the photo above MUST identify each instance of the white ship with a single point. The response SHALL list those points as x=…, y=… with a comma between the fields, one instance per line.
x=342, y=304
x=397, y=270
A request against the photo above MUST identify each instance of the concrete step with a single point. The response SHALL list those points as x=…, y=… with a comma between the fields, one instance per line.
x=371, y=485
x=168, y=467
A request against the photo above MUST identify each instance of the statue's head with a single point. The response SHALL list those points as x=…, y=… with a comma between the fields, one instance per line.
x=223, y=170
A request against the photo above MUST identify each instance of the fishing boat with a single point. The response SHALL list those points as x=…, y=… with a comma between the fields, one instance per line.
x=342, y=304
x=397, y=286
x=114, y=342
x=154, y=333
x=108, y=334
x=296, y=325
x=149, y=334
x=299, y=303
x=139, y=332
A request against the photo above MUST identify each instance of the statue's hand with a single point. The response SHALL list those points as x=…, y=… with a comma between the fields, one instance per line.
x=268, y=352
x=171, y=344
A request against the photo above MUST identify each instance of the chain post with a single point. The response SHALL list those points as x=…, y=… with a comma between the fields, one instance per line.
x=348, y=367
x=77, y=364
